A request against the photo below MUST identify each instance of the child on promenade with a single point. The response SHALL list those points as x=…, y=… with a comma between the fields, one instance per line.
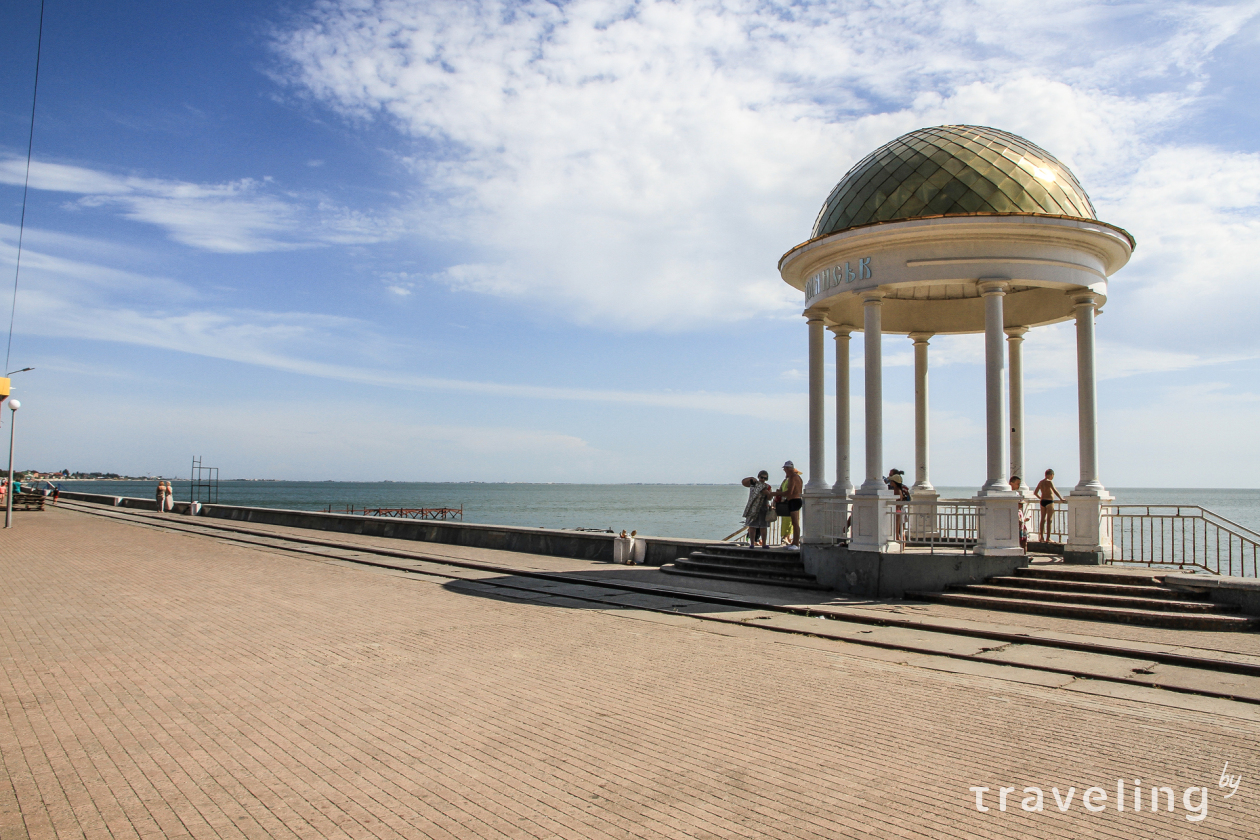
x=1046, y=492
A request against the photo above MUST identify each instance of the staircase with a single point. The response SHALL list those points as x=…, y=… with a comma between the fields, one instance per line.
x=1119, y=595
x=774, y=566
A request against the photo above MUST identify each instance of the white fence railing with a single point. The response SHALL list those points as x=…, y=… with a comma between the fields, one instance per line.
x=774, y=534
x=941, y=525
x=1058, y=525
x=1186, y=536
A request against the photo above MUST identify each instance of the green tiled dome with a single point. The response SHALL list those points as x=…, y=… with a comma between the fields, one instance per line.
x=952, y=170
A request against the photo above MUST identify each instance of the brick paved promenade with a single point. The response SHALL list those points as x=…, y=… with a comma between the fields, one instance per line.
x=161, y=685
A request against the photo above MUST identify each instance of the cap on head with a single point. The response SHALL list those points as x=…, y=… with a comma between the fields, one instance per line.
x=788, y=465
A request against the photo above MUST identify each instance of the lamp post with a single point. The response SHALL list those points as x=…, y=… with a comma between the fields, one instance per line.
x=14, y=405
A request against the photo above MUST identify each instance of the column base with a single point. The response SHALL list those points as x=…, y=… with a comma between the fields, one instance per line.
x=922, y=509
x=999, y=524
x=842, y=503
x=823, y=517
x=1089, y=533
x=872, y=525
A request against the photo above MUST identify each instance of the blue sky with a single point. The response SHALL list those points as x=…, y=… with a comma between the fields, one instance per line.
x=537, y=241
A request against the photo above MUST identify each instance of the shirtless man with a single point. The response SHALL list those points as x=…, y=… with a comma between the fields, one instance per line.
x=1046, y=491
x=792, y=495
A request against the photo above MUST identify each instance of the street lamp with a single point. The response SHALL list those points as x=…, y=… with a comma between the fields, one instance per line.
x=14, y=405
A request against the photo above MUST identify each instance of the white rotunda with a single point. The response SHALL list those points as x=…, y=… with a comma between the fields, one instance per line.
x=947, y=230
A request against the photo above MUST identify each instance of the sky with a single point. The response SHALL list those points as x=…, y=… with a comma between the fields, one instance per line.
x=537, y=241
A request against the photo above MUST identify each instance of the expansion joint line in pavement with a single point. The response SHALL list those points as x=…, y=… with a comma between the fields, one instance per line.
x=236, y=534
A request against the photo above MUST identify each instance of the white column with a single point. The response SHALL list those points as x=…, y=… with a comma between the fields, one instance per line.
x=994, y=388
x=1089, y=535
x=872, y=527
x=817, y=396
x=921, y=481
x=1087, y=393
x=872, y=340
x=1014, y=343
x=922, y=510
x=844, y=483
x=999, y=505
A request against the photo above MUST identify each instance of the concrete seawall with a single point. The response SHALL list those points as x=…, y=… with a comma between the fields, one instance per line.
x=557, y=543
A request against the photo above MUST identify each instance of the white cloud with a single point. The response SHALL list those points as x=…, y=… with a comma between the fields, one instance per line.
x=243, y=216
x=63, y=297
x=642, y=165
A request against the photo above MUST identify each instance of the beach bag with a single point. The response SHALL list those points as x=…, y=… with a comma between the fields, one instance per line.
x=781, y=508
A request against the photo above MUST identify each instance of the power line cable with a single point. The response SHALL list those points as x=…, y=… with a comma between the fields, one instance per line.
x=30, y=145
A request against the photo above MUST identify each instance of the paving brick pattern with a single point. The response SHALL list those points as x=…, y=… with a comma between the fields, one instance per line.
x=160, y=685
x=1243, y=644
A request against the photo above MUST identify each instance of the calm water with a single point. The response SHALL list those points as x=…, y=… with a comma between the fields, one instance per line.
x=664, y=510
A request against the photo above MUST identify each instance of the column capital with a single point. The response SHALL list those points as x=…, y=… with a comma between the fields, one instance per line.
x=841, y=330
x=1084, y=298
x=989, y=286
x=1015, y=333
x=814, y=315
x=874, y=296
x=920, y=337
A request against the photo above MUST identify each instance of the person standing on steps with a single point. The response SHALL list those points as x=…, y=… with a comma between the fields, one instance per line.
x=792, y=497
x=1046, y=492
x=785, y=518
x=757, y=509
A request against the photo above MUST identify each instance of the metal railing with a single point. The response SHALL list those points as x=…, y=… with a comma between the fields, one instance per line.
x=940, y=525
x=409, y=513
x=1058, y=531
x=937, y=526
x=774, y=534
x=1185, y=536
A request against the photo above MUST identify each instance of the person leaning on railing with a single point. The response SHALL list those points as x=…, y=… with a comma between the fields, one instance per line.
x=1020, y=514
x=1045, y=492
x=897, y=484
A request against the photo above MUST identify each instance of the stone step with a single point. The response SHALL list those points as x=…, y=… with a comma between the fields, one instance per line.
x=1127, y=577
x=1056, y=585
x=727, y=550
x=1125, y=601
x=795, y=573
x=1149, y=618
x=715, y=573
x=792, y=562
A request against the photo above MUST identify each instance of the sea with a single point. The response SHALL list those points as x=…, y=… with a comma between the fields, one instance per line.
x=701, y=511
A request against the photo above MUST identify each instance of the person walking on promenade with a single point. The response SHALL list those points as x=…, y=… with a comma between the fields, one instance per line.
x=757, y=509
x=160, y=496
x=1046, y=492
x=792, y=497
